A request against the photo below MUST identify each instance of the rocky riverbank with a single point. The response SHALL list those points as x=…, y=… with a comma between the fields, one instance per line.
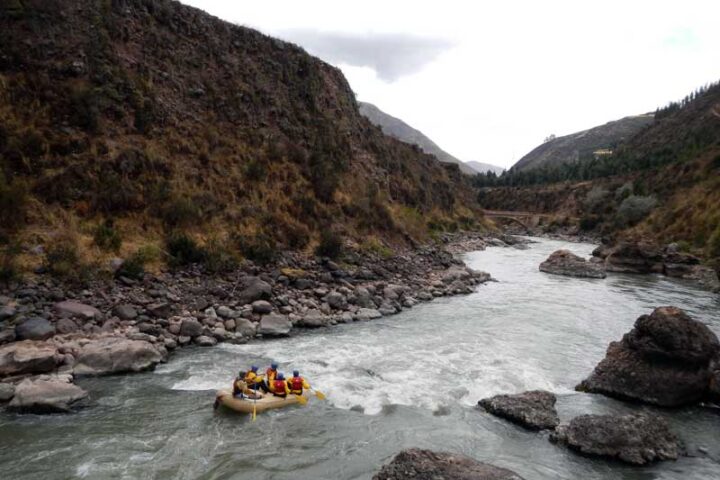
x=127, y=325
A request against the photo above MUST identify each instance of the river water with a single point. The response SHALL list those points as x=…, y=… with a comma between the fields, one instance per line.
x=411, y=380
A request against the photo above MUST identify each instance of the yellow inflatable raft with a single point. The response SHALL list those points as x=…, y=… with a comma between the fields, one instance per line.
x=245, y=405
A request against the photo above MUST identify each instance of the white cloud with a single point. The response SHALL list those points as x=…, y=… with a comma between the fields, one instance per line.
x=517, y=71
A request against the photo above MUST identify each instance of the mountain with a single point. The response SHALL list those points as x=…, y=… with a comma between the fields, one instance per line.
x=402, y=131
x=152, y=119
x=485, y=167
x=584, y=145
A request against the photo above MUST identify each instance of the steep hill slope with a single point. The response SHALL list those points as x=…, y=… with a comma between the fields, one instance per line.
x=581, y=146
x=485, y=167
x=402, y=131
x=161, y=118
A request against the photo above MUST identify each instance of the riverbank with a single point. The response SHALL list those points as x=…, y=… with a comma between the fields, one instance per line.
x=124, y=325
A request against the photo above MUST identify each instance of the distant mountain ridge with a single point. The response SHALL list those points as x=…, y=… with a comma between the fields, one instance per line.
x=402, y=131
x=584, y=145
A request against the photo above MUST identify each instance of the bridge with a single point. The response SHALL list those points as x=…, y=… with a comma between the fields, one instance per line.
x=527, y=220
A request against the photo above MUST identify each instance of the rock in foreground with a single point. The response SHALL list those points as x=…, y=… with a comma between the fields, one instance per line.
x=564, y=262
x=636, y=439
x=27, y=357
x=110, y=355
x=416, y=464
x=534, y=410
x=46, y=394
x=665, y=360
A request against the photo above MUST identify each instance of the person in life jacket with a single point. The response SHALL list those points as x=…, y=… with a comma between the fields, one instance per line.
x=252, y=379
x=270, y=375
x=239, y=385
x=297, y=383
x=280, y=387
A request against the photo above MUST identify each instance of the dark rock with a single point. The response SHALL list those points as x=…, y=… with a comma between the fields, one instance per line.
x=160, y=309
x=7, y=335
x=636, y=439
x=534, y=410
x=110, y=355
x=150, y=329
x=262, y=306
x=664, y=360
x=254, y=288
x=629, y=257
x=190, y=328
x=66, y=325
x=7, y=311
x=416, y=464
x=27, y=357
x=125, y=312
x=71, y=308
x=564, y=262
x=336, y=300
x=46, y=395
x=34, y=328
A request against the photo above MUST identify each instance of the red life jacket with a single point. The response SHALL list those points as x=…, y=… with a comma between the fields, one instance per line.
x=296, y=384
x=279, y=387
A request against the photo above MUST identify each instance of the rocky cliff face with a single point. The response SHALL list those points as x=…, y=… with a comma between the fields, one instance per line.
x=164, y=118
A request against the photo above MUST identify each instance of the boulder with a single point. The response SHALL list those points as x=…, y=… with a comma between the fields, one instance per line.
x=190, y=327
x=363, y=298
x=66, y=325
x=365, y=314
x=665, y=360
x=205, y=341
x=254, y=288
x=21, y=358
x=336, y=300
x=46, y=394
x=564, y=262
x=160, y=309
x=7, y=391
x=7, y=311
x=34, y=328
x=125, y=312
x=245, y=327
x=274, y=325
x=71, y=308
x=314, y=319
x=108, y=355
x=628, y=257
x=534, y=410
x=636, y=439
x=262, y=307
x=416, y=464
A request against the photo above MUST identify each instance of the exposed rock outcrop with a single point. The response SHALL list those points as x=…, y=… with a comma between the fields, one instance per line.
x=636, y=439
x=46, y=394
x=627, y=257
x=564, y=262
x=28, y=357
x=275, y=325
x=416, y=464
x=534, y=410
x=108, y=355
x=665, y=360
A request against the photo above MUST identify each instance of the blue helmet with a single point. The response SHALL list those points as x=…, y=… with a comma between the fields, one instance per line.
x=281, y=376
x=296, y=373
x=254, y=368
x=273, y=365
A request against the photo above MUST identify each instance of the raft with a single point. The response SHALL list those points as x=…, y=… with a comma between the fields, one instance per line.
x=245, y=405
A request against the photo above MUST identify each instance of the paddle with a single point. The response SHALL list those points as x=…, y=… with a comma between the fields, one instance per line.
x=302, y=400
x=320, y=395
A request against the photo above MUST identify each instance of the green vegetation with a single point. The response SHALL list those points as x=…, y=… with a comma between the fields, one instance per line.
x=331, y=244
x=259, y=247
x=183, y=250
x=8, y=263
x=633, y=209
x=134, y=266
x=713, y=244
x=107, y=237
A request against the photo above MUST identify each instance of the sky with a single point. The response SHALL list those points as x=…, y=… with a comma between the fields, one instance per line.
x=489, y=80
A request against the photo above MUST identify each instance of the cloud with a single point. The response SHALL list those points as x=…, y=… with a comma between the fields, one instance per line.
x=392, y=56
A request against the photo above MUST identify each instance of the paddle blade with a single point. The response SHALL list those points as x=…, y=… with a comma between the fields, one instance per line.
x=254, y=415
x=320, y=395
x=302, y=400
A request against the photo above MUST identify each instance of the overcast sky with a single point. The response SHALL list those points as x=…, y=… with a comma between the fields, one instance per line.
x=488, y=81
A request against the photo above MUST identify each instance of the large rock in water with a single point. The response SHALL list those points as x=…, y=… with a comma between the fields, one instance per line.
x=274, y=325
x=34, y=328
x=665, y=360
x=534, y=410
x=636, y=439
x=46, y=394
x=629, y=257
x=416, y=464
x=564, y=262
x=26, y=357
x=109, y=355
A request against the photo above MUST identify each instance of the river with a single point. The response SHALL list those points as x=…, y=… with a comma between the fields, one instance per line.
x=410, y=380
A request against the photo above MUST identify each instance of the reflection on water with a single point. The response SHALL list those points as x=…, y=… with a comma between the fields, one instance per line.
x=411, y=380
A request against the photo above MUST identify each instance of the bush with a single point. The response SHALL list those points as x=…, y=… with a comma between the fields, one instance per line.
x=624, y=191
x=596, y=200
x=259, y=248
x=8, y=263
x=61, y=257
x=107, y=237
x=331, y=244
x=134, y=266
x=218, y=258
x=181, y=211
x=713, y=244
x=13, y=202
x=633, y=209
x=374, y=245
x=183, y=250
x=589, y=222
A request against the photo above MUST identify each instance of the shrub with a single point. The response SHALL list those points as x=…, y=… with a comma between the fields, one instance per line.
x=716, y=162
x=219, y=258
x=713, y=244
x=624, y=191
x=259, y=247
x=8, y=263
x=134, y=266
x=633, y=209
x=181, y=211
x=107, y=237
x=183, y=250
x=374, y=245
x=331, y=244
x=596, y=199
x=13, y=202
x=589, y=222
x=61, y=257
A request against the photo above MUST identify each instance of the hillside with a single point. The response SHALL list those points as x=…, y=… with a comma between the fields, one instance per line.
x=142, y=120
x=402, y=131
x=581, y=146
x=485, y=167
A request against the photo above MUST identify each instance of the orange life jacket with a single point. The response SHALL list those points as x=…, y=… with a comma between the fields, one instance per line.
x=296, y=384
x=279, y=387
x=270, y=374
